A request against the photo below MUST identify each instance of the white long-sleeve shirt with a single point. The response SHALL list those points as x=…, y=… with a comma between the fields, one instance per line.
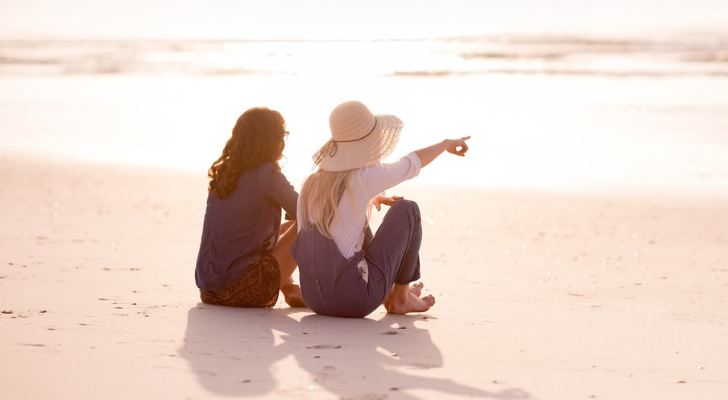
x=347, y=229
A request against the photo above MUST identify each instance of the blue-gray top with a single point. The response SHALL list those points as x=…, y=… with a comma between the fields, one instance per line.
x=240, y=229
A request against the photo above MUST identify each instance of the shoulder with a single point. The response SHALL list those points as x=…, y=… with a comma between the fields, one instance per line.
x=269, y=171
x=267, y=168
x=263, y=172
x=259, y=176
x=269, y=176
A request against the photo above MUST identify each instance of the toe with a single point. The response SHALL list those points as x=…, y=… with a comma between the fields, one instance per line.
x=416, y=289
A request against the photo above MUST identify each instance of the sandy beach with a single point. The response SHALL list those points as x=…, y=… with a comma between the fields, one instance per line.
x=579, y=251
x=539, y=296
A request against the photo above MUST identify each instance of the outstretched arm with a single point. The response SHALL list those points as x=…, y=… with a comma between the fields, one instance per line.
x=452, y=146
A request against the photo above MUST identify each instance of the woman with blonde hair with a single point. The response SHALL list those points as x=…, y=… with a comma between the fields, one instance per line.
x=345, y=270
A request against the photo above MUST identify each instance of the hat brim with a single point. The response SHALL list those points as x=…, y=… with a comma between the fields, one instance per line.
x=363, y=153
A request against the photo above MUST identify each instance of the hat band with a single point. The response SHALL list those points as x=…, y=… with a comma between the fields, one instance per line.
x=331, y=146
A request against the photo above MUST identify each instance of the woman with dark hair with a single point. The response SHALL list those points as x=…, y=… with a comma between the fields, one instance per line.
x=244, y=259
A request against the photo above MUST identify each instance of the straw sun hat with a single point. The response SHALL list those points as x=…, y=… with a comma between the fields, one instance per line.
x=359, y=138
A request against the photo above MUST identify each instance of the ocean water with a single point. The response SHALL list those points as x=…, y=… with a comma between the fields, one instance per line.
x=568, y=112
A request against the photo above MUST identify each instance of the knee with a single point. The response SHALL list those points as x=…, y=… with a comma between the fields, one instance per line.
x=407, y=206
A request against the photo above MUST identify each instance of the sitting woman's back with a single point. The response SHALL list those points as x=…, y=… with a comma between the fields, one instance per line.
x=244, y=260
x=345, y=270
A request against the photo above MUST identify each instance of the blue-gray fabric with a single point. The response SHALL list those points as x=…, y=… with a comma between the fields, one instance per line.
x=239, y=229
x=332, y=285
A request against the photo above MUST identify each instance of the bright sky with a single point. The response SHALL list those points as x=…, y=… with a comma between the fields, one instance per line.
x=290, y=19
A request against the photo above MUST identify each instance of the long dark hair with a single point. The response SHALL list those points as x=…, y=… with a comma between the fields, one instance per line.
x=257, y=139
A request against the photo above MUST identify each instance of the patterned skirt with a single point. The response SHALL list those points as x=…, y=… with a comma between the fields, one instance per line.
x=258, y=286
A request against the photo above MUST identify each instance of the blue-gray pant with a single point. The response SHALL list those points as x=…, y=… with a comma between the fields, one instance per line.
x=332, y=285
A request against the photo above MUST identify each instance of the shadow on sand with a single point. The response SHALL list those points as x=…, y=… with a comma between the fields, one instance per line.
x=234, y=352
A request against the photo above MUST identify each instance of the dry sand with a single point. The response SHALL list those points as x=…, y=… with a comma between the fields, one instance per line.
x=539, y=296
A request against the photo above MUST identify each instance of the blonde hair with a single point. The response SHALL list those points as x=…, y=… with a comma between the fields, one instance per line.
x=319, y=199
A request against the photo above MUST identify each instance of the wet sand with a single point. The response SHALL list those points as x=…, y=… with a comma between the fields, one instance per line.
x=544, y=296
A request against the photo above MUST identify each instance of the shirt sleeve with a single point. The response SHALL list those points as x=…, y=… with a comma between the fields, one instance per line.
x=381, y=177
x=276, y=187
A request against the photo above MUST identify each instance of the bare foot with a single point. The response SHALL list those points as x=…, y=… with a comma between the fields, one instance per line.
x=412, y=304
x=403, y=299
x=416, y=289
x=292, y=295
x=388, y=300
